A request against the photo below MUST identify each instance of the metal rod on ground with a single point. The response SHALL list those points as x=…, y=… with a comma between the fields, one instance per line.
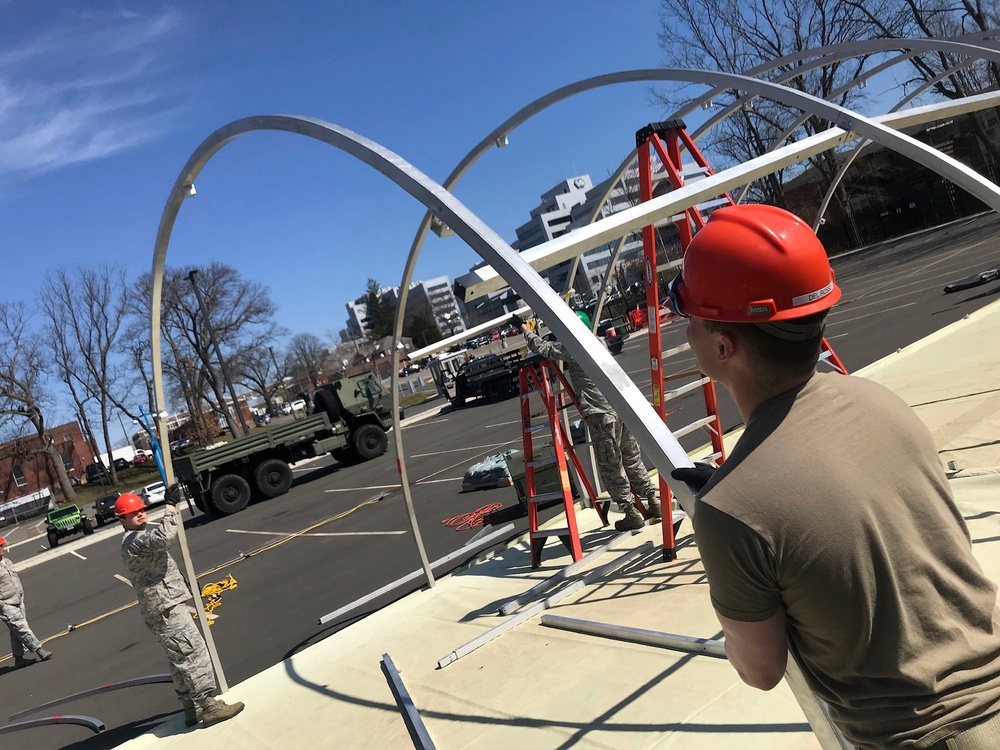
x=534, y=609
x=705, y=646
x=94, y=725
x=411, y=717
x=512, y=605
x=480, y=543
x=134, y=682
x=823, y=727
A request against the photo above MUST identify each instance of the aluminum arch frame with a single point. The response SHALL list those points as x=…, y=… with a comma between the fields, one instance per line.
x=839, y=116
x=626, y=397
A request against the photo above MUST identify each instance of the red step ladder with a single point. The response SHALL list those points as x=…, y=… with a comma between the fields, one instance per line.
x=666, y=140
x=546, y=380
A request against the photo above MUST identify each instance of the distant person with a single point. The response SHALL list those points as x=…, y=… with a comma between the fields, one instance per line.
x=830, y=530
x=619, y=461
x=162, y=595
x=13, y=615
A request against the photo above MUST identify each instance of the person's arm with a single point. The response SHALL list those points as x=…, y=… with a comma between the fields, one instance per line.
x=159, y=536
x=742, y=582
x=548, y=349
x=757, y=650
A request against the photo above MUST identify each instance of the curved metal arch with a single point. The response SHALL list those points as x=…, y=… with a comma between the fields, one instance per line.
x=863, y=144
x=628, y=399
x=851, y=48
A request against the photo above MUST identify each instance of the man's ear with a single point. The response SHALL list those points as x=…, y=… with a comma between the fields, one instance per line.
x=726, y=345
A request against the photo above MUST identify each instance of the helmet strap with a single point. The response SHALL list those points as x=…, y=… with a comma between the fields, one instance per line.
x=790, y=331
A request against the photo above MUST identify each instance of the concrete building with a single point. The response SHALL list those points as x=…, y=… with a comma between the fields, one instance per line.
x=432, y=300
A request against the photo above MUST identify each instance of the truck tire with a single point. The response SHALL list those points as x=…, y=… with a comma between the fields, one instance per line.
x=199, y=501
x=88, y=527
x=369, y=441
x=230, y=494
x=273, y=477
x=100, y=520
x=53, y=538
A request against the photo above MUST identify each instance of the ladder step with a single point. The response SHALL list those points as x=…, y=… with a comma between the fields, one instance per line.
x=693, y=426
x=543, y=462
x=685, y=388
x=542, y=533
x=542, y=497
x=713, y=457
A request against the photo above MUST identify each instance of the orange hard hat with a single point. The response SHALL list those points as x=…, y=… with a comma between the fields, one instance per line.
x=2, y=541
x=128, y=503
x=754, y=264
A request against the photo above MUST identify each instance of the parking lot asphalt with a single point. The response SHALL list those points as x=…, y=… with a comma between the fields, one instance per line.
x=342, y=531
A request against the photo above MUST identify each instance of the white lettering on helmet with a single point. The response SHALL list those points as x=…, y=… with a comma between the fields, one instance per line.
x=805, y=299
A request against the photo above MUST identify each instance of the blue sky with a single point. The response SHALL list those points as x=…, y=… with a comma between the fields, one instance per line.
x=101, y=104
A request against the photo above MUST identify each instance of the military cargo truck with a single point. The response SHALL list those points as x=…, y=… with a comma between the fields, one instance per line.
x=492, y=377
x=349, y=420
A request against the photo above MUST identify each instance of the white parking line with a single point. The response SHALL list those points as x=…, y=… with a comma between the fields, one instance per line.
x=77, y=554
x=423, y=422
x=317, y=533
x=502, y=424
x=123, y=579
x=461, y=450
x=391, y=486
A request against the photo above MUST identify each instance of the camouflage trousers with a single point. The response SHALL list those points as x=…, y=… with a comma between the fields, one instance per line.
x=619, y=461
x=187, y=654
x=21, y=637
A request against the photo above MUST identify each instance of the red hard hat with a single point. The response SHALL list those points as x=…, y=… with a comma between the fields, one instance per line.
x=753, y=264
x=128, y=503
x=2, y=541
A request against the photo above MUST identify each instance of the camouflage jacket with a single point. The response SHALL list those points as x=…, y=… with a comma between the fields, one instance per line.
x=10, y=583
x=590, y=398
x=154, y=575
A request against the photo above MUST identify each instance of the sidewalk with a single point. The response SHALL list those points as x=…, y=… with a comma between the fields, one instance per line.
x=537, y=687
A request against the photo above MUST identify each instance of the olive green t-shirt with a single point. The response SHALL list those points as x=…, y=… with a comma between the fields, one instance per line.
x=834, y=506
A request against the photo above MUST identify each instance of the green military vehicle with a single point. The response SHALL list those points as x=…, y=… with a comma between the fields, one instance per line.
x=350, y=419
x=66, y=521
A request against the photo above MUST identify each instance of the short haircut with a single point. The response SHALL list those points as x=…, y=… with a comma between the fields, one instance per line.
x=776, y=357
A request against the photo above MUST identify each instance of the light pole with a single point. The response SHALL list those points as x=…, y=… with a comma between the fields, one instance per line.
x=218, y=353
x=123, y=429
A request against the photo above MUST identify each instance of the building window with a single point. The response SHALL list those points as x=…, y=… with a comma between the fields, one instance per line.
x=18, y=473
x=68, y=437
x=67, y=459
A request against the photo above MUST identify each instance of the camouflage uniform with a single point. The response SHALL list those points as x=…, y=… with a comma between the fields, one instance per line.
x=619, y=461
x=162, y=594
x=12, y=612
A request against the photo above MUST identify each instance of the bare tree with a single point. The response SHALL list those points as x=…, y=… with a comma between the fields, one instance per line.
x=86, y=312
x=22, y=392
x=306, y=353
x=241, y=315
x=259, y=373
x=738, y=35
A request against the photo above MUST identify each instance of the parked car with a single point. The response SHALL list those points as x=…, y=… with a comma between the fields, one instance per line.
x=121, y=463
x=66, y=521
x=153, y=494
x=96, y=473
x=286, y=408
x=142, y=458
x=104, y=508
x=262, y=419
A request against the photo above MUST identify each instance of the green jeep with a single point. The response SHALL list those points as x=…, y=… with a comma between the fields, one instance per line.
x=66, y=522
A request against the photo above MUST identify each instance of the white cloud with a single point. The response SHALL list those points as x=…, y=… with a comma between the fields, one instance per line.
x=85, y=91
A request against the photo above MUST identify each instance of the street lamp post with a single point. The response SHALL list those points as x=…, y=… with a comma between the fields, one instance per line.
x=218, y=353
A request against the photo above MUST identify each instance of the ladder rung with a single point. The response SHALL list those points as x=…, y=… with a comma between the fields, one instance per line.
x=541, y=498
x=693, y=426
x=537, y=427
x=685, y=388
x=543, y=462
x=675, y=350
x=712, y=457
x=542, y=533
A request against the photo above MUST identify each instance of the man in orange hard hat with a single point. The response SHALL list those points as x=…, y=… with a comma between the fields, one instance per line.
x=830, y=530
x=162, y=595
x=13, y=615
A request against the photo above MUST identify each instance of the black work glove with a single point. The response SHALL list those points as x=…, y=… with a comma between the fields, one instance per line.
x=517, y=320
x=695, y=477
x=173, y=495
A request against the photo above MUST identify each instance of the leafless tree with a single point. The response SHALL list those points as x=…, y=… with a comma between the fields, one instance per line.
x=306, y=353
x=259, y=373
x=85, y=311
x=738, y=35
x=241, y=315
x=22, y=388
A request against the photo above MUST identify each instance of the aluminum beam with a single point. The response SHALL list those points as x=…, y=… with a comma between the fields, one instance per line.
x=134, y=682
x=411, y=717
x=486, y=279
